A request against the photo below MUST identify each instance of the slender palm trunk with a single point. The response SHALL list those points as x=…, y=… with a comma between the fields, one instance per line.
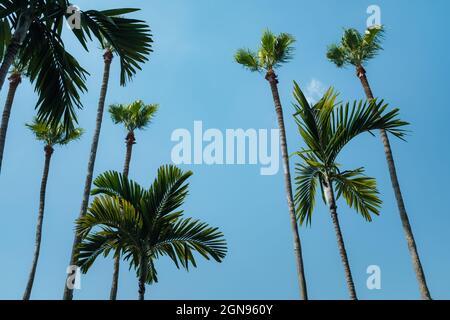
x=130, y=141
x=272, y=79
x=14, y=82
x=142, y=277
x=108, y=56
x=37, y=247
x=331, y=201
x=20, y=33
x=420, y=275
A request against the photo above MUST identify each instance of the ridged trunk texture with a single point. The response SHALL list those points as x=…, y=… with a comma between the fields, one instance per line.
x=14, y=80
x=19, y=35
x=142, y=278
x=108, y=56
x=331, y=201
x=37, y=247
x=420, y=275
x=272, y=79
x=130, y=141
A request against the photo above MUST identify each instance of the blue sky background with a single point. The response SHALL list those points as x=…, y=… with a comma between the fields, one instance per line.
x=192, y=76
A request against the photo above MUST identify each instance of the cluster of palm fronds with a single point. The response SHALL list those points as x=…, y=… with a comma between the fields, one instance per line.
x=136, y=224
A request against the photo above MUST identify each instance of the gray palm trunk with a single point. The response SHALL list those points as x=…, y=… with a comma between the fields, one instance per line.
x=14, y=82
x=37, y=247
x=142, y=277
x=130, y=141
x=272, y=79
x=331, y=201
x=108, y=56
x=420, y=275
x=20, y=33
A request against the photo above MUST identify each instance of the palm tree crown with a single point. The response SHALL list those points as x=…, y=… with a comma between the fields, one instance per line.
x=272, y=53
x=134, y=116
x=356, y=49
x=53, y=135
x=326, y=128
x=145, y=224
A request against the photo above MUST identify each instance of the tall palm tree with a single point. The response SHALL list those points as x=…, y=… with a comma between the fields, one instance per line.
x=135, y=116
x=15, y=79
x=51, y=136
x=356, y=50
x=326, y=128
x=145, y=225
x=133, y=48
x=273, y=52
x=35, y=27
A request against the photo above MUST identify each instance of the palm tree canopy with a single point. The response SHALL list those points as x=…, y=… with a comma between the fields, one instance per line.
x=58, y=77
x=326, y=128
x=149, y=223
x=134, y=116
x=273, y=52
x=356, y=49
x=53, y=135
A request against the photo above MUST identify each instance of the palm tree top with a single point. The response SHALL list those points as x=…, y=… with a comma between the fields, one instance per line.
x=134, y=116
x=356, y=49
x=326, y=128
x=53, y=135
x=274, y=51
x=148, y=222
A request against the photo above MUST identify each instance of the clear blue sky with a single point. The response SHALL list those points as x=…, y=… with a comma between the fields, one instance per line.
x=192, y=76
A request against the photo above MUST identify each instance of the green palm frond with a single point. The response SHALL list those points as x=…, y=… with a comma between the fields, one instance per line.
x=359, y=191
x=53, y=134
x=115, y=184
x=131, y=39
x=144, y=225
x=356, y=49
x=186, y=236
x=136, y=115
x=273, y=52
x=248, y=59
x=306, y=180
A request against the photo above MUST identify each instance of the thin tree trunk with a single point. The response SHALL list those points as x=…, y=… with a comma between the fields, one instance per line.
x=20, y=33
x=108, y=56
x=37, y=247
x=272, y=78
x=142, y=278
x=130, y=141
x=331, y=201
x=14, y=82
x=420, y=275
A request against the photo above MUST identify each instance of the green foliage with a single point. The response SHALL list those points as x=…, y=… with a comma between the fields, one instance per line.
x=326, y=128
x=58, y=77
x=53, y=135
x=147, y=224
x=356, y=49
x=272, y=53
x=134, y=116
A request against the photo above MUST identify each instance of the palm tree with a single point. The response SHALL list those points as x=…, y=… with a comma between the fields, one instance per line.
x=132, y=52
x=326, y=129
x=35, y=27
x=51, y=136
x=356, y=49
x=273, y=52
x=145, y=225
x=15, y=79
x=135, y=116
